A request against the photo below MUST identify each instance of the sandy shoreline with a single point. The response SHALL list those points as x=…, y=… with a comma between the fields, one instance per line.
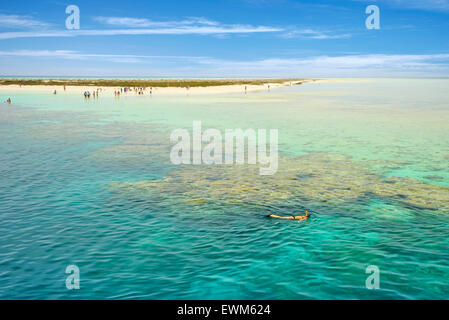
x=109, y=91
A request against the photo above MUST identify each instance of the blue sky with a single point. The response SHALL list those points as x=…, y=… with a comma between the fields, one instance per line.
x=225, y=38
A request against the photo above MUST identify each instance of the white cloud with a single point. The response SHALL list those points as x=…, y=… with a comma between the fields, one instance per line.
x=335, y=66
x=314, y=34
x=130, y=26
x=146, y=23
x=16, y=21
x=69, y=54
x=198, y=30
x=318, y=66
x=143, y=26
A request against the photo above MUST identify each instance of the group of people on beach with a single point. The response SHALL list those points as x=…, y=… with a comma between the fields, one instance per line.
x=94, y=93
x=117, y=93
x=138, y=90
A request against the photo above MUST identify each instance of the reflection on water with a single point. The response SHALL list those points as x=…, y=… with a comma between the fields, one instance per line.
x=90, y=183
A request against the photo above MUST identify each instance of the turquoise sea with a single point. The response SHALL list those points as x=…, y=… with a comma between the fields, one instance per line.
x=89, y=183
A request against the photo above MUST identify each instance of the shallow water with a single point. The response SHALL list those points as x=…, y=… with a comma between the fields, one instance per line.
x=90, y=183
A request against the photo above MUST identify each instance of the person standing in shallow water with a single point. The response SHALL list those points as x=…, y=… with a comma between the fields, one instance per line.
x=300, y=218
x=9, y=100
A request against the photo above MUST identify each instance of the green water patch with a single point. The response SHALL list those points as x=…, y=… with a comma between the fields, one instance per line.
x=433, y=175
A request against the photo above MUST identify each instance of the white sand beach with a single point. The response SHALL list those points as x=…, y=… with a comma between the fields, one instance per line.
x=109, y=91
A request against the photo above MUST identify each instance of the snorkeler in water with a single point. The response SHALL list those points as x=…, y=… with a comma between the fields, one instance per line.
x=300, y=218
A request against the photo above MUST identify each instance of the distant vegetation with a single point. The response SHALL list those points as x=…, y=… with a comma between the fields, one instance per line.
x=145, y=82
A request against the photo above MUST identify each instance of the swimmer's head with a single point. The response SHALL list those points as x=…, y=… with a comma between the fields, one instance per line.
x=307, y=213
